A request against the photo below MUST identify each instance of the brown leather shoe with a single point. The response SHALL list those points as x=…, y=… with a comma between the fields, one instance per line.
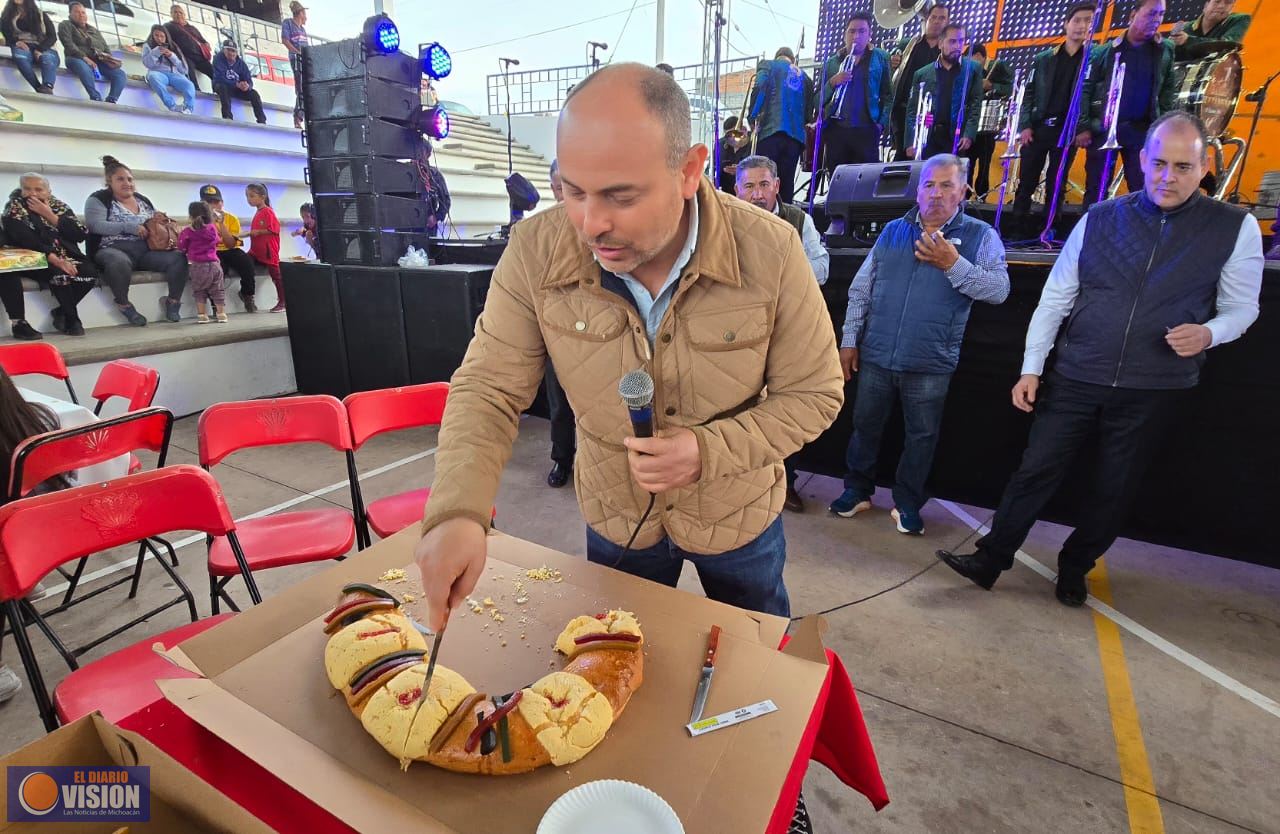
x=793, y=501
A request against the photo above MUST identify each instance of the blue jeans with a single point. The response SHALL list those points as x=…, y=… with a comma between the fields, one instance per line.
x=159, y=82
x=84, y=72
x=923, y=397
x=749, y=577
x=48, y=62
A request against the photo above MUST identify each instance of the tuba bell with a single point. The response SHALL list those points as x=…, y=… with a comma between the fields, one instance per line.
x=739, y=136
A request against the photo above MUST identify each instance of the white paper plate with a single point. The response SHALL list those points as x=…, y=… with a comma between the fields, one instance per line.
x=610, y=806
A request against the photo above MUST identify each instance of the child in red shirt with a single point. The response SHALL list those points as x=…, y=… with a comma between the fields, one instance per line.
x=264, y=237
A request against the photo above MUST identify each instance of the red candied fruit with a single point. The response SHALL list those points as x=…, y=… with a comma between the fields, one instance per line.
x=365, y=635
x=408, y=698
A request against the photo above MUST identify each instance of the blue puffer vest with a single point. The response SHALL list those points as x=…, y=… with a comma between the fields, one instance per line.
x=1143, y=272
x=917, y=319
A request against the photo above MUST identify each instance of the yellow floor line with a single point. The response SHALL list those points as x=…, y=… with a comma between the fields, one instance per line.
x=1135, y=769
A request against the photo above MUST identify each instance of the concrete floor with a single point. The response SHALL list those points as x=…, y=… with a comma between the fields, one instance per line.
x=989, y=711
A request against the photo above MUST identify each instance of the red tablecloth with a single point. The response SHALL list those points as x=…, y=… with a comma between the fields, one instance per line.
x=836, y=736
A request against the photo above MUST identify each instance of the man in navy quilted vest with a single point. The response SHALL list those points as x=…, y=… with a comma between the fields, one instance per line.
x=1146, y=284
x=908, y=306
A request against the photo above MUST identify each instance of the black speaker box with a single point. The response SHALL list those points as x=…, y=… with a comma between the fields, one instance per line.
x=347, y=59
x=441, y=305
x=370, y=211
x=869, y=193
x=315, y=328
x=358, y=97
x=370, y=247
x=361, y=137
x=373, y=327
x=364, y=175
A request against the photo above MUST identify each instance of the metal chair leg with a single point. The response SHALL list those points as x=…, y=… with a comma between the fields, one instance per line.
x=44, y=704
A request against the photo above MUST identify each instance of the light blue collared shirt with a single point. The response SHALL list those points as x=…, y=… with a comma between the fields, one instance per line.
x=653, y=307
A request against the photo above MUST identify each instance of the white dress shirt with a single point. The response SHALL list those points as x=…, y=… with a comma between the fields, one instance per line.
x=819, y=257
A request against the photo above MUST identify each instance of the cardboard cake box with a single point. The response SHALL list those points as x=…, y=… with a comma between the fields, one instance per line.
x=265, y=692
x=179, y=800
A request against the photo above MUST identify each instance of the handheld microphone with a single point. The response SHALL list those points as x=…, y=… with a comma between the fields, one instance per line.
x=598, y=44
x=510, y=61
x=636, y=390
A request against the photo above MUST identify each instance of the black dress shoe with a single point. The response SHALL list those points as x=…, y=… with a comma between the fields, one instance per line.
x=559, y=474
x=976, y=567
x=793, y=501
x=1071, y=590
x=25, y=332
x=59, y=319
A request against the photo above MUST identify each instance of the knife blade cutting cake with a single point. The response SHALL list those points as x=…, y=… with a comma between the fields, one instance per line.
x=374, y=657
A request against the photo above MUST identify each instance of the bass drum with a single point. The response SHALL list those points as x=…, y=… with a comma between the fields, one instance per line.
x=1209, y=89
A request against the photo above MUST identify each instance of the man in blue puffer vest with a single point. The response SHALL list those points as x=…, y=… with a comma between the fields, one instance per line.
x=1146, y=284
x=908, y=306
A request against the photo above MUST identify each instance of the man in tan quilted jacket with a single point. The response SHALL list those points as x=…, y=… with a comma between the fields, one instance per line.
x=645, y=265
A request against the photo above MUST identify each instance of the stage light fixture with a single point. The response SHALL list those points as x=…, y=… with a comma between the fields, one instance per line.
x=381, y=35
x=433, y=121
x=436, y=61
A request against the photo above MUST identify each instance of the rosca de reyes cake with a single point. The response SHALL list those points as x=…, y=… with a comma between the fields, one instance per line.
x=375, y=658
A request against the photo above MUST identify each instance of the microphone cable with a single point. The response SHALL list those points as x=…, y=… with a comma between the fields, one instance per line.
x=635, y=532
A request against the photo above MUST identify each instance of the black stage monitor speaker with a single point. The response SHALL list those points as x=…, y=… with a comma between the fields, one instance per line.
x=358, y=97
x=372, y=247
x=370, y=211
x=441, y=305
x=347, y=59
x=364, y=175
x=862, y=198
x=315, y=329
x=361, y=137
x=373, y=327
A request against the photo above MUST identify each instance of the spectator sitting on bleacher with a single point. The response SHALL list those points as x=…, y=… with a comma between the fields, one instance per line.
x=166, y=68
x=35, y=219
x=233, y=258
x=118, y=242
x=191, y=43
x=231, y=79
x=87, y=51
x=30, y=35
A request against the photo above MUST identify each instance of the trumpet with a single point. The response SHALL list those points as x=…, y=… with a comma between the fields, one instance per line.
x=1111, y=120
x=739, y=136
x=924, y=113
x=1014, y=117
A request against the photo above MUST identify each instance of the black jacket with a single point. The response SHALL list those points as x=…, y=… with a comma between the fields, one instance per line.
x=1000, y=75
x=1036, y=98
x=103, y=196
x=48, y=38
x=1098, y=85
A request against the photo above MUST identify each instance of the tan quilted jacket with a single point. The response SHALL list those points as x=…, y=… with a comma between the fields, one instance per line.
x=745, y=357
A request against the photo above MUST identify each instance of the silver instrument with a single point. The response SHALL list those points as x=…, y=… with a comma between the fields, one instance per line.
x=891, y=14
x=924, y=110
x=1110, y=118
x=992, y=116
x=1014, y=117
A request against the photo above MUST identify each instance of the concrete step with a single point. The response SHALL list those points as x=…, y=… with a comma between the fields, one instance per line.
x=149, y=119
x=277, y=99
x=496, y=152
x=97, y=309
x=169, y=191
x=199, y=364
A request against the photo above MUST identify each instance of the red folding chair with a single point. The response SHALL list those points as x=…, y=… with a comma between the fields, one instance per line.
x=129, y=381
x=39, y=533
x=36, y=358
x=45, y=456
x=393, y=409
x=290, y=538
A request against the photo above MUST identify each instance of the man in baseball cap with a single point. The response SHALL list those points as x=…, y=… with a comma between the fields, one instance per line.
x=233, y=258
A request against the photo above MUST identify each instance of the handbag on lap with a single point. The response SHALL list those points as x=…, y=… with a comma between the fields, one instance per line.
x=162, y=232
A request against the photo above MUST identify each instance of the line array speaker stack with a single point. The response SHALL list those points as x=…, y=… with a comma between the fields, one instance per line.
x=362, y=152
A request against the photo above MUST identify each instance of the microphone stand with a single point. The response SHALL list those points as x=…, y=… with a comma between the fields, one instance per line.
x=818, y=163
x=506, y=83
x=595, y=62
x=718, y=25
x=1069, y=124
x=1259, y=98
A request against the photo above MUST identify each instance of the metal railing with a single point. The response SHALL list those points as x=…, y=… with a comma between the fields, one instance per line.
x=544, y=90
x=126, y=24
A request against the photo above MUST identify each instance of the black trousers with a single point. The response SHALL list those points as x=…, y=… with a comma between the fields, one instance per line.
x=239, y=262
x=563, y=437
x=898, y=130
x=195, y=66
x=979, y=156
x=847, y=145
x=1129, y=425
x=67, y=296
x=785, y=153
x=1096, y=160
x=1043, y=149
x=227, y=92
